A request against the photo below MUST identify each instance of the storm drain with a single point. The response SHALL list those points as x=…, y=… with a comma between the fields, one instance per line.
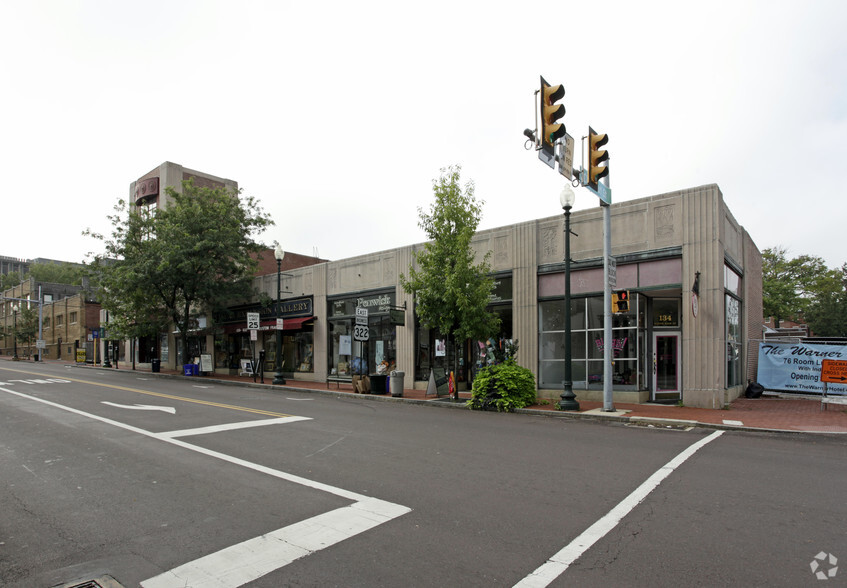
x=101, y=582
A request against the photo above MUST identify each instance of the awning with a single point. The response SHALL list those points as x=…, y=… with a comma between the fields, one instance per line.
x=288, y=324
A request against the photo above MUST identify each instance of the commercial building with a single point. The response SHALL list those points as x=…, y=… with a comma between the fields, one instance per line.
x=69, y=320
x=693, y=273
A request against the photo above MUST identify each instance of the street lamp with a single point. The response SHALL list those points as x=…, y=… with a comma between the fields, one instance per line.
x=15, y=331
x=279, y=254
x=568, y=398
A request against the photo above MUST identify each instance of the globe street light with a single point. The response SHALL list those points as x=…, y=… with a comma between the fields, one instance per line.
x=279, y=254
x=568, y=398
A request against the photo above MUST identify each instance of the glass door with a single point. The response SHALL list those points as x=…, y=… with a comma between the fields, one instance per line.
x=667, y=379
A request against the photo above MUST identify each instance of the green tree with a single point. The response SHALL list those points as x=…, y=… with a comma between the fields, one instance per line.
x=826, y=315
x=173, y=264
x=10, y=280
x=789, y=286
x=25, y=326
x=57, y=273
x=451, y=291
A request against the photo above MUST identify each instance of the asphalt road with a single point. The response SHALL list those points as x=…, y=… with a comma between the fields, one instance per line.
x=163, y=482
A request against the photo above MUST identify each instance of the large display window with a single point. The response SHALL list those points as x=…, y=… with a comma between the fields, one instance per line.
x=588, y=344
x=377, y=355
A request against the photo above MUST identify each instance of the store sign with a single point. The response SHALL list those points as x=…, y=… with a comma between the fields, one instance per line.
x=665, y=313
x=397, y=317
x=796, y=367
x=296, y=307
x=618, y=344
x=502, y=290
x=379, y=303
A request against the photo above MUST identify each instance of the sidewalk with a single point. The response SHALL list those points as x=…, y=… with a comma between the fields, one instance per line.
x=785, y=413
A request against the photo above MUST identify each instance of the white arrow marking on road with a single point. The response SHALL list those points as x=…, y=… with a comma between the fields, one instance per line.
x=169, y=409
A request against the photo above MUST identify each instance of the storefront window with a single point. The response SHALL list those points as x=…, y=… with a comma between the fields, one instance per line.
x=733, y=341
x=587, y=343
x=376, y=355
x=297, y=350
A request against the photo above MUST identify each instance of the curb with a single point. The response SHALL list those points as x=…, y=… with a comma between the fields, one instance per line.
x=435, y=402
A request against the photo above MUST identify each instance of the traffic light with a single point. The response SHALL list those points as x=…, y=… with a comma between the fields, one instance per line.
x=550, y=113
x=620, y=301
x=595, y=157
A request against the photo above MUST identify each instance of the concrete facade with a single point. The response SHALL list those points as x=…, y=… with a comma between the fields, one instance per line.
x=661, y=243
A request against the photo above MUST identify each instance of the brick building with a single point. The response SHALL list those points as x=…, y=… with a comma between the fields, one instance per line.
x=68, y=317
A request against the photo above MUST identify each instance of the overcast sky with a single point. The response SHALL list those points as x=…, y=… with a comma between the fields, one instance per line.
x=337, y=116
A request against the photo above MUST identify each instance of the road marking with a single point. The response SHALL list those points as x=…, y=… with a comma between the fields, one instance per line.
x=169, y=409
x=559, y=562
x=159, y=395
x=261, y=555
x=268, y=552
x=736, y=423
x=233, y=426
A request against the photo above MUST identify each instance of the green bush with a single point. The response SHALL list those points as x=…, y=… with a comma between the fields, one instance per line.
x=503, y=387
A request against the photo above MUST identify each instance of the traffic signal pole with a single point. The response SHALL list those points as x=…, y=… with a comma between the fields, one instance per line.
x=608, y=405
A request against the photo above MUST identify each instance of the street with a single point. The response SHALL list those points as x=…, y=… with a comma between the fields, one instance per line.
x=166, y=482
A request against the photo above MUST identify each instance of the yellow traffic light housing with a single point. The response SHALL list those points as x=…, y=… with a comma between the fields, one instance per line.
x=595, y=157
x=550, y=113
x=620, y=301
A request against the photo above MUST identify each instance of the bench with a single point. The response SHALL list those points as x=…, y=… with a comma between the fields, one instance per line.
x=339, y=380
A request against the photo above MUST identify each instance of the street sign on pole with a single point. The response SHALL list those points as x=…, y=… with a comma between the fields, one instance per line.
x=834, y=371
x=361, y=333
x=612, y=278
x=566, y=157
x=252, y=320
x=604, y=192
x=279, y=324
x=361, y=316
x=548, y=158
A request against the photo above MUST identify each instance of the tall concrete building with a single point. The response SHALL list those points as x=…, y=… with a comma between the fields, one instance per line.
x=150, y=189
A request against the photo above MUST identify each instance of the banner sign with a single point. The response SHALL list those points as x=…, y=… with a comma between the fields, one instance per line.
x=796, y=367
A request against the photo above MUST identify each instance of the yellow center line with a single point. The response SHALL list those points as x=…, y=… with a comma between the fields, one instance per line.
x=157, y=394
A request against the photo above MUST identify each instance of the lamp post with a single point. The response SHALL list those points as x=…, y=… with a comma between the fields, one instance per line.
x=15, y=331
x=279, y=254
x=568, y=398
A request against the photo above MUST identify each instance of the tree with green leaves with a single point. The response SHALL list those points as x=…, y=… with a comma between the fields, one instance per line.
x=452, y=290
x=25, y=327
x=827, y=314
x=57, y=273
x=179, y=262
x=789, y=286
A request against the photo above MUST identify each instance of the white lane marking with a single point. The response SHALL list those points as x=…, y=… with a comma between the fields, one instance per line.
x=168, y=409
x=558, y=563
x=379, y=511
x=730, y=422
x=233, y=426
x=261, y=555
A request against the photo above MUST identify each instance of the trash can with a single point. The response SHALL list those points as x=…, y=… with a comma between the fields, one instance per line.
x=156, y=365
x=396, y=383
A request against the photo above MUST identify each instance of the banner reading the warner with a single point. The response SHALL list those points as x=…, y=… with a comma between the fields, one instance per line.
x=796, y=367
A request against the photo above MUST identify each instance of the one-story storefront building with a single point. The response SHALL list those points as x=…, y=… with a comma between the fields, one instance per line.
x=693, y=273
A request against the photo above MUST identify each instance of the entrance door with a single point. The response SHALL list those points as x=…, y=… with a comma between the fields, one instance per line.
x=667, y=384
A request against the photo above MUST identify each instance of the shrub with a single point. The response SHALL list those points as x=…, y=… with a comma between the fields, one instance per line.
x=503, y=387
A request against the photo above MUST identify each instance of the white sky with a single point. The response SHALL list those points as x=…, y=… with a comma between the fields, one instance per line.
x=338, y=115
